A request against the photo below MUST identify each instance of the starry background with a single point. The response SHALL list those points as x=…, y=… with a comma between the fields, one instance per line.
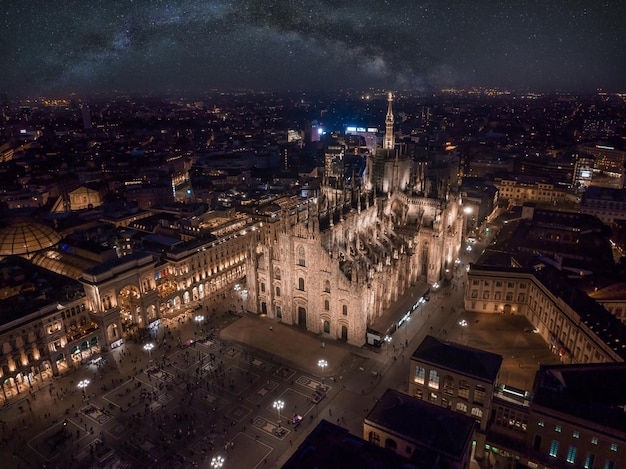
x=49, y=46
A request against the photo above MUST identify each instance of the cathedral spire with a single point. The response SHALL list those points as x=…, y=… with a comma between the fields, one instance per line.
x=388, y=142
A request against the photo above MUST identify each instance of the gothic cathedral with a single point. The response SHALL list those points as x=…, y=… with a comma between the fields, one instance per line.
x=335, y=262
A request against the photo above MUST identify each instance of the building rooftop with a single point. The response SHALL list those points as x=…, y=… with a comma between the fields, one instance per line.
x=26, y=288
x=435, y=429
x=25, y=236
x=460, y=358
x=329, y=446
x=594, y=392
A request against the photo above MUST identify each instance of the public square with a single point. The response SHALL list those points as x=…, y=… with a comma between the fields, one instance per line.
x=238, y=386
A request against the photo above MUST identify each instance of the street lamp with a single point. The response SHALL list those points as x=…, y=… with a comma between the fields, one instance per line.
x=388, y=341
x=322, y=364
x=82, y=385
x=463, y=324
x=217, y=462
x=278, y=405
x=148, y=347
x=199, y=319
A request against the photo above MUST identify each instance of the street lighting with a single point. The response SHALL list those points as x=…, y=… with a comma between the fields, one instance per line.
x=322, y=364
x=148, y=347
x=82, y=385
x=388, y=341
x=463, y=324
x=217, y=462
x=278, y=405
x=199, y=319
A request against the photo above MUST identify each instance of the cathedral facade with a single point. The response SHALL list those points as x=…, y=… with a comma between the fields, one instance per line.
x=335, y=262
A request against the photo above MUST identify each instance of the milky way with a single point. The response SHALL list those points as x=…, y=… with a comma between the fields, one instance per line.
x=192, y=45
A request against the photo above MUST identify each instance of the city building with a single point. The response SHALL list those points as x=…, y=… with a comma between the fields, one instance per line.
x=606, y=203
x=456, y=377
x=425, y=434
x=577, y=417
x=330, y=446
x=520, y=189
x=575, y=326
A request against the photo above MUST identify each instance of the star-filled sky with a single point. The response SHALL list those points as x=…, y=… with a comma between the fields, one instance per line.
x=55, y=46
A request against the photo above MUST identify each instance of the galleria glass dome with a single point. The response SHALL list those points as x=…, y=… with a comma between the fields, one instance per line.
x=24, y=237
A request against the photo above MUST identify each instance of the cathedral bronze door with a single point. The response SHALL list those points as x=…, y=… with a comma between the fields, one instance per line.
x=302, y=317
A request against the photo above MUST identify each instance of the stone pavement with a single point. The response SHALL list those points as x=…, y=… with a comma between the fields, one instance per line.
x=298, y=347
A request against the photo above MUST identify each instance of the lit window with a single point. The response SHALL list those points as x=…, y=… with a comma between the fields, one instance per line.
x=420, y=373
x=571, y=454
x=613, y=447
x=589, y=461
x=594, y=441
x=433, y=379
x=576, y=434
x=554, y=448
x=540, y=423
x=557, y=429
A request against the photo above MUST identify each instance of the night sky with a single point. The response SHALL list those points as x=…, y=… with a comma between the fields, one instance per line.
x=58, y=46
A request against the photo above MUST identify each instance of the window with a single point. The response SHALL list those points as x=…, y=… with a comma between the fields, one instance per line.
x=277, y=291
x=521, y=298
x=589, y=460
x=301, y=284
x=420, y=374
x=594, y=441
x=327, y=286
x=541, y=423
x=277, y=273
x=262, y=287
x=279, y=312
x=610, y=464
x=613, y=447
x=433, y=379
x=485, y=295
x=448, y=385
x=576, y=434
x=461, y=407
x=344, y=310
x=474, y=293
x=374, y=438
x=509, y=296
x=433, y=397
x=557, y=429
x=554, y=448
x=479, y=394
x=476, y=412
x=326, y=305
x=301, y=258
x=571, y=455
x=463, y=389
x=498, y=295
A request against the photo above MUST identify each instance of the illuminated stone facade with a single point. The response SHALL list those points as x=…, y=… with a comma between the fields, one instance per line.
x=333, y=263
